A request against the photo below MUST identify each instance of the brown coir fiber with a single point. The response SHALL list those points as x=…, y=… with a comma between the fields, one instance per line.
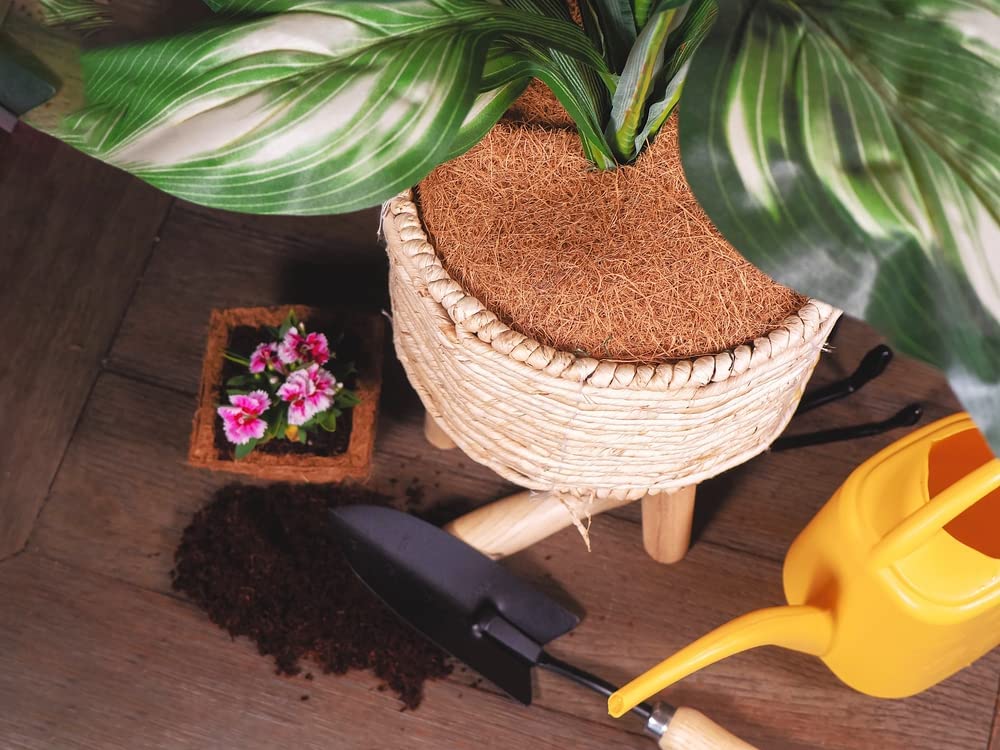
x=538, y=106
x=619, y=264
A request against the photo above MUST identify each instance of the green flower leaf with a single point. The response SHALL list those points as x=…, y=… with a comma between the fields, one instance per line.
x=347, y=399
x=242, y=451
x=850, y=149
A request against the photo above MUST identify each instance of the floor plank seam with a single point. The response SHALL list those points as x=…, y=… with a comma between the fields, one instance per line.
x=93, y=383
x=150, y=251
x=59, y=466
x=121, y=371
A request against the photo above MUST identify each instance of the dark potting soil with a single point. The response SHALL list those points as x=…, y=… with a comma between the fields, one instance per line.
x=262, y=563
x=243, y=340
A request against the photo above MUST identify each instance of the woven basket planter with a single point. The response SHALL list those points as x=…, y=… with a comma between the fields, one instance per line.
x=550, y=420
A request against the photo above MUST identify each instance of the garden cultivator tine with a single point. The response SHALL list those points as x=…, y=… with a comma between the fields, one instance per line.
x=905, y=417
x=871, y=366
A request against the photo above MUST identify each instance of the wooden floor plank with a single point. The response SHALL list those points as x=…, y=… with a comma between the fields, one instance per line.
x=87, y=663
x=211, y=259
x=74, y=236
x=995, y=740
x=123, y=497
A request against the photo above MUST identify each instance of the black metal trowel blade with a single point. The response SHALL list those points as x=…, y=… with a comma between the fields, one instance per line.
x=459, y=598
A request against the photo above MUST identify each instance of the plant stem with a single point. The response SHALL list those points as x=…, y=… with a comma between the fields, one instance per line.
x=236, y=358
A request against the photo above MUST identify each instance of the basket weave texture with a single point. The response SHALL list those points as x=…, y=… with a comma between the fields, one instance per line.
x=551, y=420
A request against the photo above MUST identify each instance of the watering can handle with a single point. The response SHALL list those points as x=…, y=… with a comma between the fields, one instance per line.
x=692, y=730
x=916, y=529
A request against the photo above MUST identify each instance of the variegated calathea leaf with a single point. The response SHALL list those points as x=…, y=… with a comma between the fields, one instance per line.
x=850, y=149
x=317, y=106
x=80, y=15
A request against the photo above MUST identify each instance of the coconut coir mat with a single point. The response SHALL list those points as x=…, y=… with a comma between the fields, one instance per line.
x=261, y=563
x=619, y=264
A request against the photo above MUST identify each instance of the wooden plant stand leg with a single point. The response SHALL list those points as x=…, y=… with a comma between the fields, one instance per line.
x=517, y=521
x=435, y=435
x=666, y=524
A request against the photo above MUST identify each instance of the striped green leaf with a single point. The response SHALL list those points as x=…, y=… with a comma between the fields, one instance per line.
x=612, y=27
x=580, y=87
x=642, y=70
x=681, y=46
x=319, y=106
x=850, y=149
x=81, y=15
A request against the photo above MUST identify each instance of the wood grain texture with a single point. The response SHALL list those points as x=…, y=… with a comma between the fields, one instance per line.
x=511, y=524
x=692, y=730
x=130, y=476
x=123, y=497
x=212, y=259
x=93, y=664
x=666, y=524
x=995, y=741
x=74, y=236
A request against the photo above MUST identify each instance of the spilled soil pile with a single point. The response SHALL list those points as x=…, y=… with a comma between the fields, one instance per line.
x=261, y=562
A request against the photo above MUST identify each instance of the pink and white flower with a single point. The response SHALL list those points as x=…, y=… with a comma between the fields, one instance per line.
x=264, y=356
x=308, y=393
x=303, y=347
x=241, y=421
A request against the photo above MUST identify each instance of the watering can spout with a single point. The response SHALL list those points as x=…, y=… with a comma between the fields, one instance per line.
x=801, y=628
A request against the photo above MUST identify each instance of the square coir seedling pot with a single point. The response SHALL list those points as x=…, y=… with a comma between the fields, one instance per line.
x=355, y=462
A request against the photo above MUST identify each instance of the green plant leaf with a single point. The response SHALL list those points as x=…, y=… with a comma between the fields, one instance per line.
x=681, y=46
x=236, y=358
x=328, y=420
x=277, y=420
x=80, y=15
x=242, y=381
x=582, y=89
x=287, y=324
x=324, y=107
x=630, y=102
x=612, y=27
x=484, y=114
x=347, y=399
x=242, y=451
x=850, y=149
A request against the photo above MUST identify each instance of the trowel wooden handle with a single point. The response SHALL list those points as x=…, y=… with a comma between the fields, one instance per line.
x=692, y=730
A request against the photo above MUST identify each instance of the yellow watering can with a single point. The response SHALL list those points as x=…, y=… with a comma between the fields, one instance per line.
x=895, y=584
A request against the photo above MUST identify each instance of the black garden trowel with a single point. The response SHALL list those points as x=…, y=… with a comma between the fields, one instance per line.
x=473, y=608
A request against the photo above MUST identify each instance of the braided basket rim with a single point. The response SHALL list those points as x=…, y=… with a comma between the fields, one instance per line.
x=470, y=315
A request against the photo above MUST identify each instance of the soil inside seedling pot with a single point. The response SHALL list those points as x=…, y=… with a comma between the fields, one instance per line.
x=262, y=563
x=242, y=341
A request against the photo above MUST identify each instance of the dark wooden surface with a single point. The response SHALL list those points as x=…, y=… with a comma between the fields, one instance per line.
x=995, y=741
x=74, y=237
x=97, y=652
